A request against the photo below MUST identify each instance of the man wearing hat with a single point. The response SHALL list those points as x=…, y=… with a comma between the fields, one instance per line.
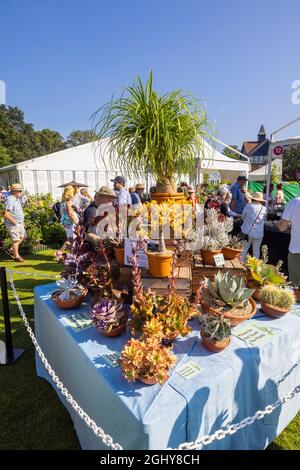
x=14, y=220
x=124, y=198
x=136, y=195
x=105, y=196
x=237, y=203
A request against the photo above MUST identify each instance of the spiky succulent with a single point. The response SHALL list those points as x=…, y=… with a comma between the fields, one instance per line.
x=278, y=297
x=108, y=314
x=228, y=290
x=235, y=242
x=215, y=328
x=68, y=288
x=216, y=231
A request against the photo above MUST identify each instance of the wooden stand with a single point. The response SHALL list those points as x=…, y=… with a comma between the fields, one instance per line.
x=200, y=270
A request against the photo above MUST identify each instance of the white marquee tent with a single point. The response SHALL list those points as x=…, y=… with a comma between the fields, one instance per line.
x=84, y=164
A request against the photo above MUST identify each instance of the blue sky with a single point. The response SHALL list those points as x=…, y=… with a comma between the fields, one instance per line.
x=62, y=59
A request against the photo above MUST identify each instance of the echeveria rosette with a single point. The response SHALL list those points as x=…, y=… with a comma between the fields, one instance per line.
x=108, y=314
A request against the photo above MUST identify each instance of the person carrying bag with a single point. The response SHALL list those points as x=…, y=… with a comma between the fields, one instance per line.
x=252, y=229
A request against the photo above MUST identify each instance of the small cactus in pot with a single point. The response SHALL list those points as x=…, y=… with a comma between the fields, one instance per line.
x=109, y=317
x=276, y=301
x=215, y=332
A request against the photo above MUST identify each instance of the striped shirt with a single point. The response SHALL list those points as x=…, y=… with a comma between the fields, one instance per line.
x=13, y=205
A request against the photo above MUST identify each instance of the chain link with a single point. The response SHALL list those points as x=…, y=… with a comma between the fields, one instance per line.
x=106, y=438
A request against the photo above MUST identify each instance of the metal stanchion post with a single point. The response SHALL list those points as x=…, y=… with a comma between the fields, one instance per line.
x=11, y=354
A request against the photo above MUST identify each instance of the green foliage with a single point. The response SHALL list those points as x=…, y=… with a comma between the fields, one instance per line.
x=264, y=273
x=49, y=141
x=228, y=290
x=80, y=137
x=4, y=157
x=230, y=153
x=54, y=234
x=161, y=134
x=215, y=328
x=291, y=163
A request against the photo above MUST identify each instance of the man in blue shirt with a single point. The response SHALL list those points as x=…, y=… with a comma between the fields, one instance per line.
x=14, y=220
x=136, y=195
x=237, y=203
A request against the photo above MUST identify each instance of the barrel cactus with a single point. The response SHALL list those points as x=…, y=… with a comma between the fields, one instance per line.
x=228, y=290
x=287, y=299
x=215, y=328
x=270, y=295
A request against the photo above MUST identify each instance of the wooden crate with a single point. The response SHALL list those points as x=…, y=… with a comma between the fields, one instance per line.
x=160, y=286
x=200, y=270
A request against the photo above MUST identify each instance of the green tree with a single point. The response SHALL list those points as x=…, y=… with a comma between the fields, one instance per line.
x=49, y=141
x=4, y=157
x=291, y=164
x=80, y=137
x=230, y=153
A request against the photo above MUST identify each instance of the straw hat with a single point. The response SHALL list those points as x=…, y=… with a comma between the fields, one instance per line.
x=105, y=191
x=140, y=186
x=16, y=187
x=257, y=196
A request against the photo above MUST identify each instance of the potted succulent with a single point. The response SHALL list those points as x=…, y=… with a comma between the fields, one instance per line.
x=146, y=359
x=260, y=273
x=234, y=248
x=119, y=251
x=215, y=235
x=109, y=317
x=276, y=301
x=215, y=332
x=151, y=133
x=228, y=296
x=69, y=293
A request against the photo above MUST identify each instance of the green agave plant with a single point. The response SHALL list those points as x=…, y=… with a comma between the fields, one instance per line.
x=215, y=328
x=228, y=290
x=161, y=134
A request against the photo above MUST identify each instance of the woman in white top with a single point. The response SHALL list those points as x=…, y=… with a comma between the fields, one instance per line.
x=279, y=198
x=253, y=217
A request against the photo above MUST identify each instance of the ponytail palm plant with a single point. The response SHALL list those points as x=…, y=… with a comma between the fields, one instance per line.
x=145, y=131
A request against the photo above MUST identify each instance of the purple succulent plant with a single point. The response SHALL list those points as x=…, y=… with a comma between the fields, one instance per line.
x=108, y=314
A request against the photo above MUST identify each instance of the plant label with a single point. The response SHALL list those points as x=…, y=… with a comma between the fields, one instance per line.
x=189, y=370
x=78, y=321
x=254, y=333
x=219, y=260
x=296, y=312
x=112, y=359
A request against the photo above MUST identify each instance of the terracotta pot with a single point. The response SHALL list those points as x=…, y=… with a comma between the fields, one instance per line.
x=67, y=304
x=251, y=284
x=160, y=264
x=234, y=319
x=273, y=312
x=214, y=346
x=162, y=197
x=115, y=331
x=119, y=253
x=231, y=253
x=147, y=381
x=208, y=256
x=297, y=294
x=169, y=340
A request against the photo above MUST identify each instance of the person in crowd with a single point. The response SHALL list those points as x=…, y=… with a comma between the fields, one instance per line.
x=105, y=196
x=191, y=196
x=253, y=217
x=136, y=196
x=131, y=190
x=3, y=194
x=291, y=219
x=279, y=197
x=269, y=198
x=237, y=203
x=182, y=188
x=219, y=202
x=123, y=196
x=86, y=199
x=69, y=217
x=14, y=221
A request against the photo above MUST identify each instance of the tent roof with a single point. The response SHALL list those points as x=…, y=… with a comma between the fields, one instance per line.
x=261, y=173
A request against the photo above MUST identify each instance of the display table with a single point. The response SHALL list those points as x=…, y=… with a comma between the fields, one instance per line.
x=230, y=386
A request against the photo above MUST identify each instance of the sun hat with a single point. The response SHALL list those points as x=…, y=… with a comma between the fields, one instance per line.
x=105, y=191
x=119, y=179
x=16, y=187
x=257, y=196
x=140, y=186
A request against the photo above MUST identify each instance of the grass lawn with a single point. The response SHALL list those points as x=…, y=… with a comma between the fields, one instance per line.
x=32, y=417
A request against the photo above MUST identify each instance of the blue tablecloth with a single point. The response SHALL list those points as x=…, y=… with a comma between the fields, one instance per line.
x=232, y=385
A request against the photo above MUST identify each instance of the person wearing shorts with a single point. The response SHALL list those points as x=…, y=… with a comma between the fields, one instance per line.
x=14, y=220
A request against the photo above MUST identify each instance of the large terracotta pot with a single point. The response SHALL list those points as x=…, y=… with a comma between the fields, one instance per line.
x=162, y=197
x=67, y=304
x=257, y=289
x=214, y=346
x=273, y=312
x=115, y=331
x=231, y=253
x=119, y=253
x=234, y=319
x=160, y=264
x=208, y=256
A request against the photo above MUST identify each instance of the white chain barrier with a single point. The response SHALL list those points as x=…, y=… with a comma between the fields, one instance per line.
x=106, y=438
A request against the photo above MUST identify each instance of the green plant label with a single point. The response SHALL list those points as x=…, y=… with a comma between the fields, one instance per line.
x=254, y=333
x=112, y=359
x=78, y=321
x=189, y=370
x=296, y=312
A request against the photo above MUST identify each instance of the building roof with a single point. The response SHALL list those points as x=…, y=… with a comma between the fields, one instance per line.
x=249, y=146
x=262, y=130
